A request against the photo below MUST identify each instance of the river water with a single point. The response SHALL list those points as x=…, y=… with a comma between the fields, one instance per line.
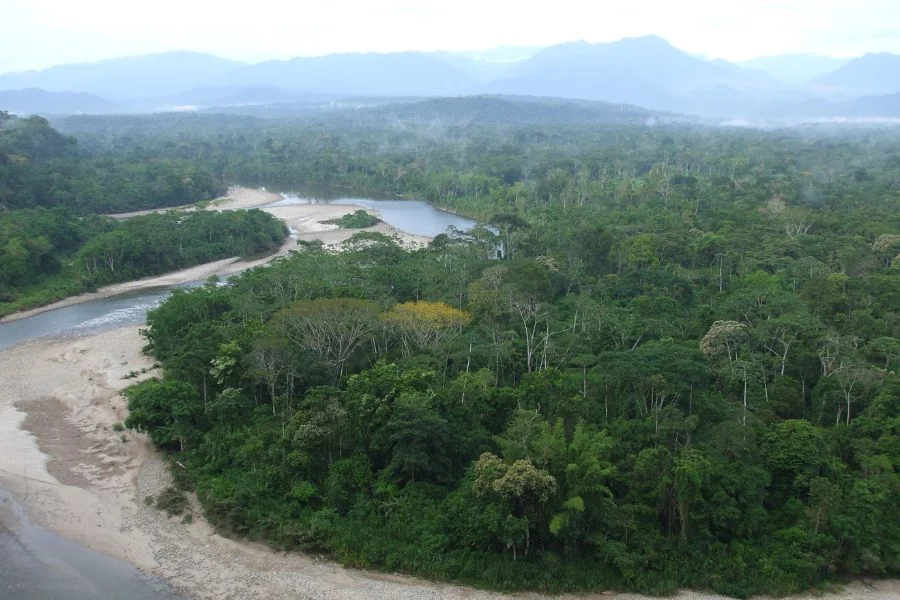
x=86, y=317
x=35, y=564
x=410, y=216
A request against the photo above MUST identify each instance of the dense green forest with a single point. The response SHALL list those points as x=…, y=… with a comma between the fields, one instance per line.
x=47, y=255
x=39, y=167
x=669, y=361
x=53, y=245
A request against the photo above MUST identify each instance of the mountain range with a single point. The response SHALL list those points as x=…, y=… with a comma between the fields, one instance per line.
x=126, y=78
x=869, y=75
x=795, y=69
x=34, y=100
x=647, y=72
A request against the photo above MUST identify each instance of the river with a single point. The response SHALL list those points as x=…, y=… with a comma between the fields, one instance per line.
x=35, y=564
x=411, y=216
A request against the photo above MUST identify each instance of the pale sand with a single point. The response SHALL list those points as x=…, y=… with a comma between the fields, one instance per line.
x=236, y=197
x=60, y=457
x=305, y=219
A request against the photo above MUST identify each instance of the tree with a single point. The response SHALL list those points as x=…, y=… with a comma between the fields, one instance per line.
x=508, y=224
x=424, y=325
x=589, y=500
x=270, y=360
x=794, y=453
x=887, y=246
x=784, y=331
x=841, y=362
x=331, y=328
x=415, y=438
x=321, y=429
x=884, y=348
x=167, y=411
x=643, y=251
x=723, y=340
x=691, y=471
x=854, y=380
x=525, y=488
x=723, y=346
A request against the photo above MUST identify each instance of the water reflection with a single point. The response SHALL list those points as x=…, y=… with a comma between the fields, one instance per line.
x=410, y=216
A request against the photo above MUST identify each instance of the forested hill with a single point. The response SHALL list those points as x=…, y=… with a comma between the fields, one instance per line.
x=507, y=110
x=52, y=242
x=671, y=362
x=39, y=167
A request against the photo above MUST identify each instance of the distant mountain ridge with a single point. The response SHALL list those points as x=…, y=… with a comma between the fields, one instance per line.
x=795, y=69
x=869, y=75
x=646, y=71
x=126, y=78
x=393, y=74
x=33, y=100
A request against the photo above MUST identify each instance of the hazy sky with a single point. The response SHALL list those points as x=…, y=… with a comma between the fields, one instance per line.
x=40, y=33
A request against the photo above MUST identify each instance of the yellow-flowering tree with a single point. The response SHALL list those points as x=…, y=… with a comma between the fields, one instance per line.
x=423, y=325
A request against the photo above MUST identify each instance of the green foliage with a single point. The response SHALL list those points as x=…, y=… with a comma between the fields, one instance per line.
x=168, y=411
x=157, y=243
x=359, y=219
x=41, y=168
x=40, y=247
x=173, y=502
x=51, y=246
x=671, y=361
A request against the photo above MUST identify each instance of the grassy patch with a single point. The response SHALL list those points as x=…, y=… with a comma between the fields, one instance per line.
x=173, y=501
x=355, y=220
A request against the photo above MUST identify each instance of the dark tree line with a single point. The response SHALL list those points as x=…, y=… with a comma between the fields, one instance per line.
x=46, y=255
x=52, y=242
x=39, y=167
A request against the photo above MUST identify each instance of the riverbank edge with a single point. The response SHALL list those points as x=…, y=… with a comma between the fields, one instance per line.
x=235, y=198
x=106, y=514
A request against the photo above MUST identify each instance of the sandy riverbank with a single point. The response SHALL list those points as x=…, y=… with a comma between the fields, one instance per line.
x=308, y=221
x=235, y=197
x=61, y=458
x=304, y=219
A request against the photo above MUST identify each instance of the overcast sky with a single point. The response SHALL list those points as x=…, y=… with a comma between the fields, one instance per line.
x=40, y=33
